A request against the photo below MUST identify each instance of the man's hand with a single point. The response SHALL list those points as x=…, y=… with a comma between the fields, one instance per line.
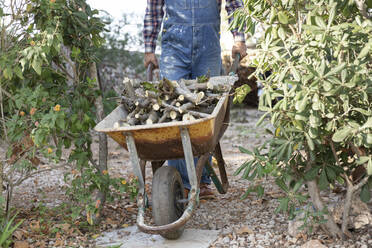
x=239, y=48
x=151, y=58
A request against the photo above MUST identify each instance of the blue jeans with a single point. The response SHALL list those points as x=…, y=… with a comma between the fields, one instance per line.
x=180, y=165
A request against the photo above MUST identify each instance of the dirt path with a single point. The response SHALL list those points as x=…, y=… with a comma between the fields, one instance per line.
x=242, y=223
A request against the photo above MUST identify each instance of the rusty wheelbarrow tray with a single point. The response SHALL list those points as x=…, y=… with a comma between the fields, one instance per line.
x=173, y=140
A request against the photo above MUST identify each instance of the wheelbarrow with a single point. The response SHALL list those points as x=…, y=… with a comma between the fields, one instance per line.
x=156, y=143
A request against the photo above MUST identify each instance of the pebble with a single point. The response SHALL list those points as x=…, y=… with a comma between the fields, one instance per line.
x=226, y=240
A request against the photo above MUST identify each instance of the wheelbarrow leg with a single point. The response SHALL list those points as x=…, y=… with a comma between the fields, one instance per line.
x=221, y=187
x=136, y=165
x=189, y=158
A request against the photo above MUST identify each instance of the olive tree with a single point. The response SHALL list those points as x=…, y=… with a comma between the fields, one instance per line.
x=319, y=100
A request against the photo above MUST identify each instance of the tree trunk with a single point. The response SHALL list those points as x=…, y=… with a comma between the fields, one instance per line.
x=1, y=185
x=102, y=164
x=331, y=226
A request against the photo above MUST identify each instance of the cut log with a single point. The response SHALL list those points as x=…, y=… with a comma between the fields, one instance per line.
x=142, y=103
x=194, y=113
x=153, y=117
x=173, y=114
x=188, y=117
x=185, y=107
x=156, y=106
x=128, y=103
x=151, y=94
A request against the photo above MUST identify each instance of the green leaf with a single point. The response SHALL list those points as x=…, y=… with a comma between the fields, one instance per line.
x=295, y=73
x=323, y=181
x=320, y=22
x=369, y=167
x=330, y=173
x=335, y=70
x=312, y=173
x=327, y=86
x=281, y=33
x=283, y=18
x=364, y=52
x=365, y=194
x=368, y=123
x=340, y=135
x=37, y=66
x=241, y=92
x=310, y=142
x=362, y=160
x=282, y=185
x=298, y=185
x=332, y=14
x=243, y=150
x=283, y=206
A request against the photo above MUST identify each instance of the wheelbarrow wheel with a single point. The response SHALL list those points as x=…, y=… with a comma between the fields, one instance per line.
x=167, y=191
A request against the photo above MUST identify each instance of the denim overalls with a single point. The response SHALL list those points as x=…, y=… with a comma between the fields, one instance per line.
x=190, y=48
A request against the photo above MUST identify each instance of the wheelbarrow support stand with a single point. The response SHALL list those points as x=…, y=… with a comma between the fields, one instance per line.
x=142, y=198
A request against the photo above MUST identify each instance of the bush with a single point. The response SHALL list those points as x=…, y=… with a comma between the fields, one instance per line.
x=320, y=56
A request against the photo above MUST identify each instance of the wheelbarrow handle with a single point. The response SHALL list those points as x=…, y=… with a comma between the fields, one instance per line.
x=149, y=70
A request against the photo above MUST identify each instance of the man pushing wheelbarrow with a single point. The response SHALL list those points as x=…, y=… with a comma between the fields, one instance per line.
x=190, y=49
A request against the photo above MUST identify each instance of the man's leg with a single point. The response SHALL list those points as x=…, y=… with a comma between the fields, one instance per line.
x=208, y=61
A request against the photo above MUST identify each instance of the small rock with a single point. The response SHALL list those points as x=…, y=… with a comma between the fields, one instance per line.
x=226, y=240
x=313, y=244
x=364, y=246
x=252, y=238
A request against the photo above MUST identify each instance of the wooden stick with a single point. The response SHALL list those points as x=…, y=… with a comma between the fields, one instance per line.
x=128, y=88
x=185, y=107
x=153, y=118
x=166, y=112
x=173, y=114
x=188, y=117
x=194, y=113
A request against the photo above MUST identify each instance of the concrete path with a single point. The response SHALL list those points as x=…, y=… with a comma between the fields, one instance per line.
x=131, y=237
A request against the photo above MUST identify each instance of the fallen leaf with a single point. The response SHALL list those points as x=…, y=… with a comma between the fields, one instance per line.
x=21, y=244
x=35, y=226
x=59, y=242
x=64, y=227
x=58, y=235
x=18, y=234
x=244, y=229
x=125, y=225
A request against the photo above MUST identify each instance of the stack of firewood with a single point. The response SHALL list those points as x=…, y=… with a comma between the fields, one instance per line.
x=165, y=101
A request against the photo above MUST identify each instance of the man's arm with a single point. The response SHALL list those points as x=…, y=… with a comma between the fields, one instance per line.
x=152, y=23
x=239, y=39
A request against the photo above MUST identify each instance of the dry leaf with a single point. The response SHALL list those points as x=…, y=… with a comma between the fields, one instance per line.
x=58, y=235
x=64, y=227
x=59, y=242
x=18, y=234
x=244, y=229
x=35, y=226
x=21, y=244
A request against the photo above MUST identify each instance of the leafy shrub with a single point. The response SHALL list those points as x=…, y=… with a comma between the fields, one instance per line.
x=320, y=56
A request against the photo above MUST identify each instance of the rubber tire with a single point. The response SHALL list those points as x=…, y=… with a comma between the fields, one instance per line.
x=167, y=188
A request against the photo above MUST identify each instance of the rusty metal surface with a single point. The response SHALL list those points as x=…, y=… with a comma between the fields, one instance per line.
x=162, y=141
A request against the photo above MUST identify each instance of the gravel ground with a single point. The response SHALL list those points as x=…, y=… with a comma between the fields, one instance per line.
x=242, y=223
